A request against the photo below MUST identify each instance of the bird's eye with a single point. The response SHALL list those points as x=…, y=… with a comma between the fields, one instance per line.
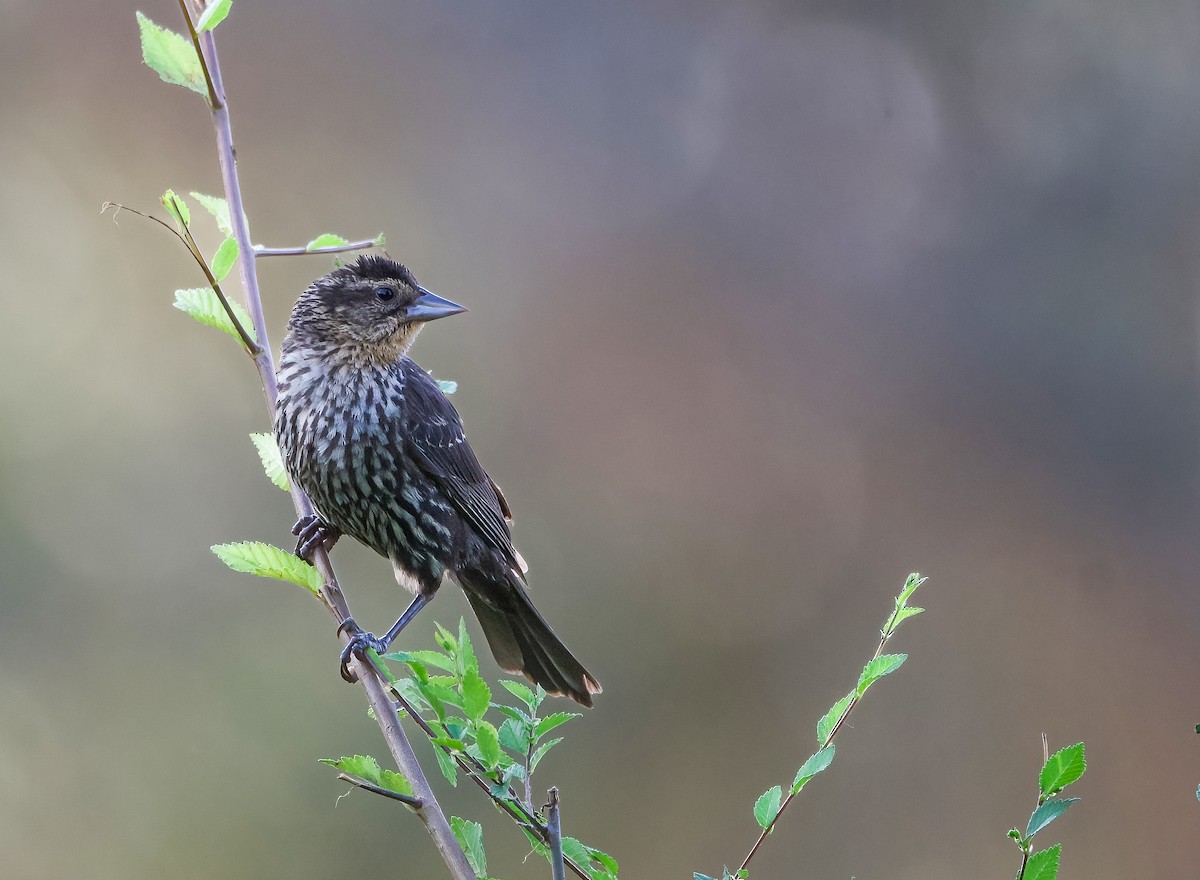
x=384, y=293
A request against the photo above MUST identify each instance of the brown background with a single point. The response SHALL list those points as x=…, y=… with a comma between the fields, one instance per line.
x=770, y=304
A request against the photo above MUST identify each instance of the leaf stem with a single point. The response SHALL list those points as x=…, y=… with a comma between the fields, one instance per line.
x=213, y=100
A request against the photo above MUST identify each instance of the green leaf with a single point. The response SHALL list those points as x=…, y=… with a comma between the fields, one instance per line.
x=911, y=583
x=814, y=765
x=1044, y=865
x=380, y=241
x=448, y=386
x=393, y=781
x=272, y=460
x=830, y=718
x=224, y=258
x=1047, y=813
x=470, y=838
x=539, y=695
x=550, y=722
x=214, y=13
x=428, y=658
x=172, y=56
x=904, y=614
x=202, y=304
x=362, y=766
x=540, y=752
x=577, y=852
x=477, y=696
x=696, y=875
x=366, y=768
x=218, y=207
x=488, y=741
x=766, y=808
x=265, y=560
x=514, y=736
x=1064, y=767
x=445, y=640
x=537, y=846
x=177, y=208
x=326, y=240
x=447, y=766
x=883, y=665
x=466, y=653
x=518, y=690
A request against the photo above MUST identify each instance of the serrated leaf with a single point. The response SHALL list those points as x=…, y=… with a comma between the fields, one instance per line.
x=540, y=752
x=488, y=741
x=539, y=696
x=360, y=766
x=518, y=690
x=547, y=724
x=218, y=207
x=814, y=765
x=576, y=852
x=272, y=460
x=1063, y=767
x=513, y=713
x=1044, y=865
x=393, y=781
x=470, y=838
x=883, y=665
x=830, y=718
x=201, y=303
x=326, y=240
x=766, y=808
x=911, y=583
x=466, y=653
x=177, y=208
x=427, y=658
x=513, y=737
x=448, y=386
x=476, y=695
x=447, y=766
x=605, y=860
x=445, y=640
x=536, y=845
x=1047, y=813
x=172, y=56
x=214, y=13
x=266, y=560
x=904, y=614
x=224, y=258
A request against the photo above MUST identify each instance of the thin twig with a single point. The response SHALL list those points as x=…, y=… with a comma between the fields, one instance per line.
x=261, y=251
x=385, y=792
x=248, y=343
x=430, y=811
x=884, y=635
x=554, y=829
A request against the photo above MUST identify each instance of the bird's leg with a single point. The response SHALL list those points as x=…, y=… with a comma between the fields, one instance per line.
x=311, y=531
x=361, y=641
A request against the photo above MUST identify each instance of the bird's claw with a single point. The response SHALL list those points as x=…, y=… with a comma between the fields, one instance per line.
x=311, y=532
x=360, y=642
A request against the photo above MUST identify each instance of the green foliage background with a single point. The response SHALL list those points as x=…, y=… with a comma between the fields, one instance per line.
x=768, y=305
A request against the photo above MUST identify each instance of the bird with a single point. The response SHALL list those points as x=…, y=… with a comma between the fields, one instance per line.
x=382, y=454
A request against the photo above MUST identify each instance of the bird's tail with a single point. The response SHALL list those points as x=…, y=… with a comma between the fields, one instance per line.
x=521, y=640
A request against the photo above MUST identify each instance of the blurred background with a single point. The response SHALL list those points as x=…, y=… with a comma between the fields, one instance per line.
x=771, y=303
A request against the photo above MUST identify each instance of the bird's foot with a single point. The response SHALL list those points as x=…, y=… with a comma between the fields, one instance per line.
x=360, y=642
x=311, y=532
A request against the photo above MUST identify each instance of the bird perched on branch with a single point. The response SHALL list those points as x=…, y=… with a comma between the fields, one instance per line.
x=381, y=452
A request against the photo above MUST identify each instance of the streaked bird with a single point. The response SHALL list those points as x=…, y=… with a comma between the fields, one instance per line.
x=381, y=452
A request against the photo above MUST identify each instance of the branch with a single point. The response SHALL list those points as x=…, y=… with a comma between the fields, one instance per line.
x=379, y=790
x=430, y=811
x=554, y=828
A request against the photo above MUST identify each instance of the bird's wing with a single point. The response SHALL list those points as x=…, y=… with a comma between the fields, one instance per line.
x=435, y=438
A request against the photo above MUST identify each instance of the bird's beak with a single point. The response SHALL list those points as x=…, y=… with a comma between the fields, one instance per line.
x=429, y=307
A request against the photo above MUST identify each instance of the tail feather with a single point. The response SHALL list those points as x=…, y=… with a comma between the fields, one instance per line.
x=522, y=641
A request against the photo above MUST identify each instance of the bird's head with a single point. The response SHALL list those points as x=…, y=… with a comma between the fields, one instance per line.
x=374, y=305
